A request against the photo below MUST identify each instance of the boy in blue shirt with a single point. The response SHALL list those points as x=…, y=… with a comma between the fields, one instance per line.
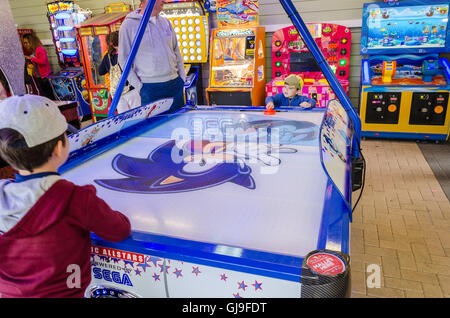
x=292, y=85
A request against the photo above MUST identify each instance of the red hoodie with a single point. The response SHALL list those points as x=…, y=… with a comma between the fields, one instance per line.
x=36, y=253
x=42, y=62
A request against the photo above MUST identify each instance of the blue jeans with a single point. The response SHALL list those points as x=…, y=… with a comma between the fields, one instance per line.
x=151, y=92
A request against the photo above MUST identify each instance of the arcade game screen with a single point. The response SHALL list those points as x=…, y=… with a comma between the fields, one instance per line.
x=408, y=72
x=95, y=50
x=233, y=61
x=407, y=27
x=301, y=62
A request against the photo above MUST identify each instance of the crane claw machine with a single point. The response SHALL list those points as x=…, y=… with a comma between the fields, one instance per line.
x=68, y=83
x=290, y=55
x=92, y=35
x=190, y=22
x=405, y=78
x=237, y=59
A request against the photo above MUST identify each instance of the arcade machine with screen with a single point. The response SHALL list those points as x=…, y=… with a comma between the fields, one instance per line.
x=405, y=82
x=191, y=24
x=92, y=37
x=237, y=60
x=68, y=83
x=291, y=56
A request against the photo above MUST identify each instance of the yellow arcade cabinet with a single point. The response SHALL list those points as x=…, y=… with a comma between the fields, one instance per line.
x=237, y=59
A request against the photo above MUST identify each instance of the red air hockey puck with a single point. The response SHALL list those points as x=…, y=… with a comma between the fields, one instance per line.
x=270, y=111
x=325, y=264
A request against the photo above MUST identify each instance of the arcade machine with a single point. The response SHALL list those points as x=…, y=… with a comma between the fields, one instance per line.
x=69, y=83
x=92, y=37
x=291, y=56
x=405, y=82
x=191, y=24
x=237, y=60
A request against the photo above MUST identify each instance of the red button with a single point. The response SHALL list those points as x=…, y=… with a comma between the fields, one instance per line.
x=326, y=264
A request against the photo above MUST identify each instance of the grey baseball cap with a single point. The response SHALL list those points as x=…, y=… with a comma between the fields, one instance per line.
x=37, y=118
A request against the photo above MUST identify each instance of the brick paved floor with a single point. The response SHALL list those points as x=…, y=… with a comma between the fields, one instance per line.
x=402, y=224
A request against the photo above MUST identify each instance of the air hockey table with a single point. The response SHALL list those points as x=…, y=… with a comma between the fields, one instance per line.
x=223, y=201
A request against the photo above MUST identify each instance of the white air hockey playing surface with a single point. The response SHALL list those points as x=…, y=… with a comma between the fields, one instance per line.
x=270, y=198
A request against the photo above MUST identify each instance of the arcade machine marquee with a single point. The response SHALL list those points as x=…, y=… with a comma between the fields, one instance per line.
x=237, y=59
x=405, y=82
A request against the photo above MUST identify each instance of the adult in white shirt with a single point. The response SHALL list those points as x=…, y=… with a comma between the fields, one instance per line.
x=158, y=69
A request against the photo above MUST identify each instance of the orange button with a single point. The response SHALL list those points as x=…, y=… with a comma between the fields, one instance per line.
x=392, y=108
x=438, y=109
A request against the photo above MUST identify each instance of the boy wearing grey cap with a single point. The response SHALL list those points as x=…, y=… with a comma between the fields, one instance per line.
x=290, y=96
x=45, y=221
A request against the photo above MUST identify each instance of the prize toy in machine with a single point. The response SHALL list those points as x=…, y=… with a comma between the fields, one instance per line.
x=190, y=22
x=69, y=83
x=237, y=61
x=92, y=35
x=290, y=55
x=405, y=82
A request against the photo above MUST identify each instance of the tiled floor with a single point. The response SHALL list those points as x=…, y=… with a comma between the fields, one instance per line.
x=402, y=224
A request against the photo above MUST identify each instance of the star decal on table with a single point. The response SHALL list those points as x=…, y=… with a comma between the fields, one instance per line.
x=178, y=272
x=143, y=265
x=242, y=285
x=195, y=270
x=162, y=266
x=257, y=285
x=125, y=263
x=156, y=277
x=137, y=271
x=237, y=295
x=223, y=277
x=153, y=260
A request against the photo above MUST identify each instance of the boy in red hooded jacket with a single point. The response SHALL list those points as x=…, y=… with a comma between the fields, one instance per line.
x=45, y=221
